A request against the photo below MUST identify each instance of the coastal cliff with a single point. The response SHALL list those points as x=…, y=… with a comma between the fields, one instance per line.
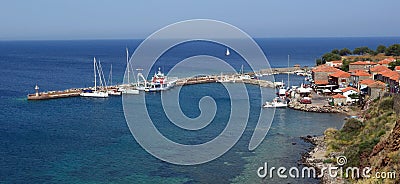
x=371, y=141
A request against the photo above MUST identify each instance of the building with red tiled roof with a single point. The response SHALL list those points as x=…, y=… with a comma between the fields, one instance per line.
x=361, y=65
x=366, y=82
x=349, y=89
x=320, y=74
x=336, y=64
x=391, y=78
x=376, y=89
x=357, y=76
x=339, y=99
x=348, y=92
x=397, y=68
x=385, y=62
x=339, y=78
x=378, y=68
x=360, y=73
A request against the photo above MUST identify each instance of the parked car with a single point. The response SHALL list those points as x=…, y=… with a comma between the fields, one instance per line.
x=305, y=100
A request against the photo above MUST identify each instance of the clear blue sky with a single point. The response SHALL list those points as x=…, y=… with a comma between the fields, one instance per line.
x=109, y=19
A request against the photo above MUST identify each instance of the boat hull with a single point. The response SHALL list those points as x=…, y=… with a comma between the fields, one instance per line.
x=95, y=94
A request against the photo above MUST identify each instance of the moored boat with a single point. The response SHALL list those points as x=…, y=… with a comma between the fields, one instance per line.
x=95, y=93
x=276, y=103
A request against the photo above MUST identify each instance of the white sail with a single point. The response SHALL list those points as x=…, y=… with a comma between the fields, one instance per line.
x=227, y=52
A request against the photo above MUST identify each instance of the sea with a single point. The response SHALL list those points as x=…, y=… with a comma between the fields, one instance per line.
x=87, y=140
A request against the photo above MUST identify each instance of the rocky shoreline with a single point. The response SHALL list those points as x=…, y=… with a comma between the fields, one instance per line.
x=317, y=158
x=317, y=108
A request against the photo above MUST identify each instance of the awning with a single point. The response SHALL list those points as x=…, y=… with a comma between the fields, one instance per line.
x=326, y=91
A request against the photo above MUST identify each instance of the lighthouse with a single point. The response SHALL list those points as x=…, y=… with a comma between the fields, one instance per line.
x=37, y=90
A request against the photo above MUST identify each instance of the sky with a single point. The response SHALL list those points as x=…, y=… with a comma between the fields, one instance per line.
x=127, y=19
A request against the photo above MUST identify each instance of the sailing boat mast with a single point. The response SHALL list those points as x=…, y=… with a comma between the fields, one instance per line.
x=111, y=76
x=95, y=75
x=288, y=74
x=127, y=64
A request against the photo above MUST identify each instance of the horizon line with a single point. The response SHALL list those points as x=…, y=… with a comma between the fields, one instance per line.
x=274, y=37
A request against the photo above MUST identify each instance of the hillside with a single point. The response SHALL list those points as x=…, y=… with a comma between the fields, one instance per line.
x=372, y=141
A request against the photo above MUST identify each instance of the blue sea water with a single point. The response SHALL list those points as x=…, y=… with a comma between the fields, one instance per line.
x=84, y=140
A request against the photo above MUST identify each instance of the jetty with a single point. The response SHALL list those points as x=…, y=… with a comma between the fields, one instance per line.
x=247, y=78
x=54, y=94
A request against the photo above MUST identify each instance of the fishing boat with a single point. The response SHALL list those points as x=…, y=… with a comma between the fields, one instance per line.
x=276, y=103
x=159, y=82
x=95, y=92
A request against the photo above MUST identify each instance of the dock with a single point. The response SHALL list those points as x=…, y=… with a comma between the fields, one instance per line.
x=233, y=78
x=55, y=94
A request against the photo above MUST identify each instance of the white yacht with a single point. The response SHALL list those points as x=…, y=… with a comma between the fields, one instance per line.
x=276, y=103
x=95, y=93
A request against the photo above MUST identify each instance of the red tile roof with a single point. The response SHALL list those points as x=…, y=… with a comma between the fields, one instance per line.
x=393, y=75
x=324, y=68
x=360, y=73
x=366, y=81
x=385, y=62
x=377, y=84
x=348, y=89
x=340, y=74
x=363, y=63
x=338, y=96
x=378, y=68
x=397, y=68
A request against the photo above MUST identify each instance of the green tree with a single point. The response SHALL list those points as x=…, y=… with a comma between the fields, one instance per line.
x=345, y=52
x=381, y=49
x=392, y=65
x=345, y=65
x=393, y=50
x=362, y=51
x=335, y=51
x=319, y=61
x=330, y=57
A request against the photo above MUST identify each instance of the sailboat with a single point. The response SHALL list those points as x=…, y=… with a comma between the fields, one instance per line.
x=112, y=91
x=227, y=52
x=96, y=93
x=128, y=88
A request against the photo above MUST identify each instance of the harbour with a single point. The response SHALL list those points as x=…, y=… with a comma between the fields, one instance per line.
x=235, y=78
x=71, y=135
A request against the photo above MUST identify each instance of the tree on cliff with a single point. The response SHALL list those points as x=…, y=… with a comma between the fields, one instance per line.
x=381, y=49
x=362, y=51
x=345, y=52
x=393, y=50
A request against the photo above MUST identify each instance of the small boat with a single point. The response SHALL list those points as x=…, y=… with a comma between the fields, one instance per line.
x=114, y=92
x=227, y=52
x=129, y=91
x=95, y=93
x=276, y=103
